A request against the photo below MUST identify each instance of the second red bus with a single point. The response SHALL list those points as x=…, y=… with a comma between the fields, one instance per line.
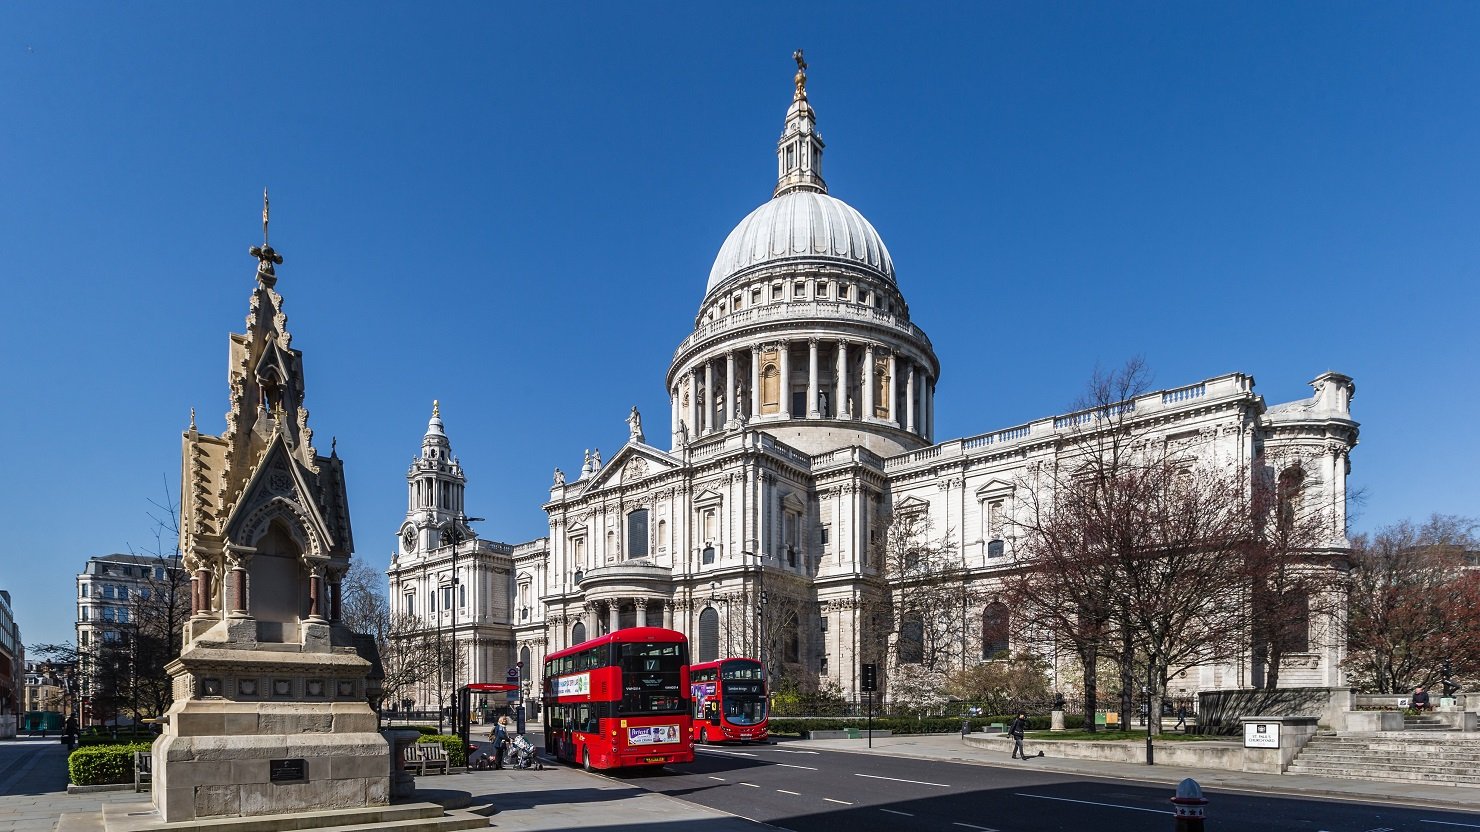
x=730, y=701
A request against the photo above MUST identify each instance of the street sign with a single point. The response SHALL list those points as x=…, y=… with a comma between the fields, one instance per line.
x=512, y=674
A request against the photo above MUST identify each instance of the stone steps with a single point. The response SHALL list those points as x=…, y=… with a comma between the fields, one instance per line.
x=1407, y=756
x=417, y=817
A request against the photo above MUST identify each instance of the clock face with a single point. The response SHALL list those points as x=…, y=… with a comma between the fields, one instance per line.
x=408, y=539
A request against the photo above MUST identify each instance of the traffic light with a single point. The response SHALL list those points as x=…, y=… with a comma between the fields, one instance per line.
x=870, y=678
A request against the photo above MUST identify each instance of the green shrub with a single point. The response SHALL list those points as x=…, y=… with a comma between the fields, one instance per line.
x=95, y=765
x=457, y=753
x=426, y=730
x=799, y=726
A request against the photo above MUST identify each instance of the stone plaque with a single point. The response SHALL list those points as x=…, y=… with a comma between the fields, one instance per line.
x=282, y=687
x=287, y=771
x=346, y=687
x=314, y=687
x=246, y=687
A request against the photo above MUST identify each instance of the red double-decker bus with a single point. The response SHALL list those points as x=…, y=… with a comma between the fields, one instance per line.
x=620, y=700
x=729, y=701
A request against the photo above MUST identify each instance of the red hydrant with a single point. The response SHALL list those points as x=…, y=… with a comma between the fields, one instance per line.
x=1189, y=804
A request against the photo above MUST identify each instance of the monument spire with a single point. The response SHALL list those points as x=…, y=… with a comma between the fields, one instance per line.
x=799, y=152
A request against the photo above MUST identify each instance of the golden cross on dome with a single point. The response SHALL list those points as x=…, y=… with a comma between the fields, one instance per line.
x=801, y=78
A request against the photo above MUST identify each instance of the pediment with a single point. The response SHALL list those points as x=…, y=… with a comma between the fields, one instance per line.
x=994, y=488
x=792, y=501
x=634, y=462
x=911, y=504
x=278, y=486
x=708, y=496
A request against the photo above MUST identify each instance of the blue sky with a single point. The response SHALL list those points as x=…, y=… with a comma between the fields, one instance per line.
x=513, y=208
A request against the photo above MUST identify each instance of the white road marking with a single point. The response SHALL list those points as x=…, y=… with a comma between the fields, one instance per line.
x=784, y=791
x=789, y=765
x=902, y=780
x=973, y=826
x=718, y=751
x=1092, y=803
x=844, y=802
x=893, y=812
x=1451, y=823
x=791, y=751
x=752, y=785
x=712, y=777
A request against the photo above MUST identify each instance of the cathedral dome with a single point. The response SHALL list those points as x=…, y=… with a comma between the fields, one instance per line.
x=801, y=225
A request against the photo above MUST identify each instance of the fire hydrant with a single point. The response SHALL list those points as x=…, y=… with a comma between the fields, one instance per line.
x=1189, y=804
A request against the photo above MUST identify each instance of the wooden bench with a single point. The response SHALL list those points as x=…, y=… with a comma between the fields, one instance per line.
x=143, y=769
x=411, y=759
x=433, y=757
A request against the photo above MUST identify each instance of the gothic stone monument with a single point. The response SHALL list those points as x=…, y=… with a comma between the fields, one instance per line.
x=271, y=713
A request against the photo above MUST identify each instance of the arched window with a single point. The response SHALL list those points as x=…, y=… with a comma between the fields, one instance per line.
x=770, y=388
x=524, y=664
x=912, y=639
x=578, y=633
x=708, y=635
x=994, y=631
x=791, y=640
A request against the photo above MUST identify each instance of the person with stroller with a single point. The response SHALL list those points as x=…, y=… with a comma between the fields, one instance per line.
x=500, y=737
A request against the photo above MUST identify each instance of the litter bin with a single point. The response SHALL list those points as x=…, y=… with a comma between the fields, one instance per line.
x=965, y=726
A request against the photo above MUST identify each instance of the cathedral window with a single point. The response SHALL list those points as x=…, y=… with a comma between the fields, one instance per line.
x=911, y=647
x=462, y=595
x=791, y=640
x=799, y=290
x=410, y=603
x=825, y=536
x=707, y=556
x=432, y=601
x=578, y=633
x=708, y=635
x=845, y=293
x=755, y=296
x=770, y=389
x=1292, y=482
x=994, y=631
x=446, y=597
x=776, y=292
x=637, y=533
x=662, y=535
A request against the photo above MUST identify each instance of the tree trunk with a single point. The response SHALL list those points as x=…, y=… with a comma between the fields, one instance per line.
x=1089, y=655
x=1127, y=679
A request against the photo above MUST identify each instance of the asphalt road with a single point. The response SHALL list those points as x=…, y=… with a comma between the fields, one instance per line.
x=830, y=791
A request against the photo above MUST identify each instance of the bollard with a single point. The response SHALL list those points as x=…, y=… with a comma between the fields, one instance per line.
x=1189, y=804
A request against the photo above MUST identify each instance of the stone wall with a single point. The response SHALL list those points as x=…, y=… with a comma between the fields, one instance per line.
x=1218, y=711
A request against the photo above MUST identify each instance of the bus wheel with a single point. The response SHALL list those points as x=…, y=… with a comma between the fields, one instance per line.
x=586, y=758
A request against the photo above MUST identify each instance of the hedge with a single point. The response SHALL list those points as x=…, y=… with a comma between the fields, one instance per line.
x=95, y=765
x=910, y=725
x=457, y=753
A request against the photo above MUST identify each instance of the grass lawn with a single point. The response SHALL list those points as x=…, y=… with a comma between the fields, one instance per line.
x=1121, y=736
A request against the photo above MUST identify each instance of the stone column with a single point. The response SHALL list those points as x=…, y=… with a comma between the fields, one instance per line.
x=589, y=613
x=909, y=399
x=614, y=614
x=813, y=411
x=195, y=595
x=642, y=607
x=868, y=381
x=729, y=387
x=892, y=403
x=708, y=396
x=238, y=589
x=316, y=595
x=667, y=614
x=840, y=403
x=696, y=422
x=677, y=414
x=785, y=387
x=755, y=381
x=203, y=576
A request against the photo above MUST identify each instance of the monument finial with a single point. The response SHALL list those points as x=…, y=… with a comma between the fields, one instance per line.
x=192, y=418
x=801, y=78
x=436, y=409
x=266, y=256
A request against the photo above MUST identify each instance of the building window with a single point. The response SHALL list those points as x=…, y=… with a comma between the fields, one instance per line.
x=1292, y=482
x=799, y=291
x=912, y=639
x=791, y=555
x=107, y=613
x=707, y=525
x=708, y=635
x=637, y=533
x=82, y=638
x=432, y=601
x=85, y=613
x=994, y=631
x=524, y=664
x=662, y=535
x=462, y=595
x=707, y=556
x=410, y=603
x=108, y=590
x=578, y=633
x=822, y=665
x=446, y=598
x=825, y=537
x=791, y=640
x=995, y=549
x=123, y=593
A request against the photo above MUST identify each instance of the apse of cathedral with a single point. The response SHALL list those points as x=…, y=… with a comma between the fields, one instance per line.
x=802, y=419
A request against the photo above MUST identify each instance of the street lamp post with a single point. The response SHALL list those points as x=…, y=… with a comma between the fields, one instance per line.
x=455, y=536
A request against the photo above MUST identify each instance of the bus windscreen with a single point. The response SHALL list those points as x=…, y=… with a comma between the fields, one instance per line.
x=651, y=675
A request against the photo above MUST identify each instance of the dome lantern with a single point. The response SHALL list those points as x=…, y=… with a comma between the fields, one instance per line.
x=799, y=152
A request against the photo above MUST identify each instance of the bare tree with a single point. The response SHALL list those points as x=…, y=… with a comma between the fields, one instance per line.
x=1413, y=604
x=922, y=622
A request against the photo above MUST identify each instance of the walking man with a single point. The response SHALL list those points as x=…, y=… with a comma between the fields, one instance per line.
x=1016, y=730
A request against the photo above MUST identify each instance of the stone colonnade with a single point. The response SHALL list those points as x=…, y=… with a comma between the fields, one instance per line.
x=700, y=417
x=235, y=597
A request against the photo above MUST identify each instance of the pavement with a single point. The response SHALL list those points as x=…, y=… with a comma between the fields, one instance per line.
x=33, y=787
